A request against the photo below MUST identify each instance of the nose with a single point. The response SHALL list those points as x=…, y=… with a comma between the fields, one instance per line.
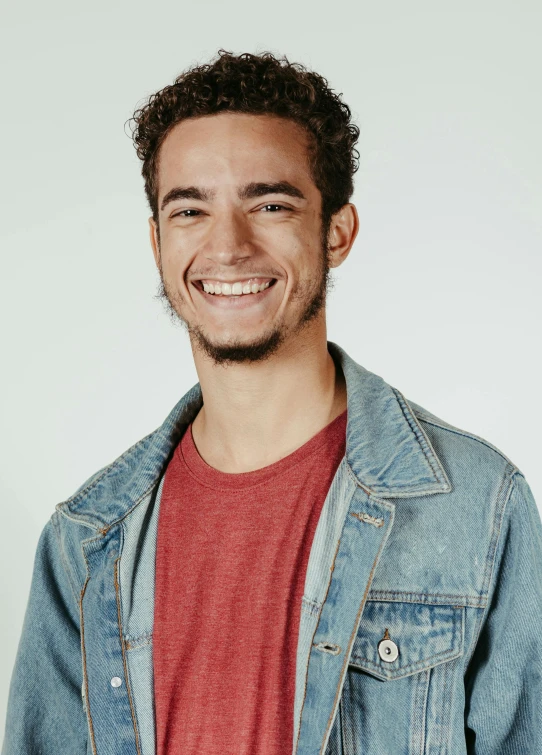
x=230, y=239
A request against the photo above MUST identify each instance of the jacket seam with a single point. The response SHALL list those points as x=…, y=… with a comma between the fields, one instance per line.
x=464, y=433
x=85, y=674
x=400, y=596
x=96, y=478
x=103, y=530
x=77, y=520
x=508, y=473
x=56, y=527
x=421, y=665
x=124, y=662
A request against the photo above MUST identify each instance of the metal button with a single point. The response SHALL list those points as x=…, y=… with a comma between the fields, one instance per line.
x=116, y=681
x=388, y=650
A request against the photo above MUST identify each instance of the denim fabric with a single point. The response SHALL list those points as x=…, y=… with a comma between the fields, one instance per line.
x=421, y=622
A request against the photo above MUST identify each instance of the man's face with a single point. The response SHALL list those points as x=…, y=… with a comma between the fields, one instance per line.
x=239, y=215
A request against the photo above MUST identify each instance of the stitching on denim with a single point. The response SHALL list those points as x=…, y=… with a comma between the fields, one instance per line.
x=104, y=530
x=419, y=702
x=56, y=530
x=136, y=644
x=425, y=679
x=403, y=597
x=456, y=625
x=494, y=542
x=465, y=433
x=419, y=665
x=340, y=713
x=371, y=495
x=84, y=656
x=352, y=636
x=138, y=637
x=483, y=616
x=312, y=607
x=446, y=670
x=367, y=518
x=108, y=468
x=128, y=690
x=416, y=490
x=423, y=440
x=312, y=640
x=77, y=519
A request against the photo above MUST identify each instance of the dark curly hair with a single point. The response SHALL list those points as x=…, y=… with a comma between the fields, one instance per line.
x=256, y=84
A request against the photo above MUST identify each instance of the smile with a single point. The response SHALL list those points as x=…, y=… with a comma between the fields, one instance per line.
x=224, y=295
x=236, y=288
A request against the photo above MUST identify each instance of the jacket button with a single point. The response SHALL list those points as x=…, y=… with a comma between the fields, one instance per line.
x=116, y=681
x=388, y=650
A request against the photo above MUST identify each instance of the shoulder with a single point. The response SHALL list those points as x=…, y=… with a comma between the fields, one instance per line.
x=462, y=449
x=112, y=491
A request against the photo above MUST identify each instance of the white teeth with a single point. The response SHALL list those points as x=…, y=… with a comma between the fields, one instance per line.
x=234, y=289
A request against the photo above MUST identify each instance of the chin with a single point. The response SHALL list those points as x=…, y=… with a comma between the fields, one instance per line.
x=238, y=351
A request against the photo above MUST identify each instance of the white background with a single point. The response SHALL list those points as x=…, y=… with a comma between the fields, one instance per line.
x=440, y=295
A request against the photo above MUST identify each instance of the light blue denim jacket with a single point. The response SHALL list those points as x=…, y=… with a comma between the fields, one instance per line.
x=421, y=621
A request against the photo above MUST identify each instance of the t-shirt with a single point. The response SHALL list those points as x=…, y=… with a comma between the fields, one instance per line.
x=232, y=554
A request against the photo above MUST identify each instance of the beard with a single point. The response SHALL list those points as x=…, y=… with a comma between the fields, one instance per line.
x=312, y=292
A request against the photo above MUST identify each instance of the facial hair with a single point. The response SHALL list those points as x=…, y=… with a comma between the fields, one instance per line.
x=313, y=291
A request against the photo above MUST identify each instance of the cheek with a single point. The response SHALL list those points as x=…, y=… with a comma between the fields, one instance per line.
x=175, y=256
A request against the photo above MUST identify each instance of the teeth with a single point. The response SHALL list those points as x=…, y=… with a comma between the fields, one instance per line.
x=234, y=289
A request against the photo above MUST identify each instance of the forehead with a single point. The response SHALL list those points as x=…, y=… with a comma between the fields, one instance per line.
x=234, y=148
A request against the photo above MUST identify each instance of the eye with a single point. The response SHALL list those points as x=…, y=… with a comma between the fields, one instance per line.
x=274, y=206
x=184, y=215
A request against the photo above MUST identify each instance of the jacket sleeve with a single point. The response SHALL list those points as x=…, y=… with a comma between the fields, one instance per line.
x=503, y=712
x=45, y=711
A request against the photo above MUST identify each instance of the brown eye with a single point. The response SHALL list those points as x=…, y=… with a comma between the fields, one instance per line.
x=184, y=215
x=275, y=206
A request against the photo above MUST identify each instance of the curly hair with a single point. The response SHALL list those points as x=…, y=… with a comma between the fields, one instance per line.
x=261, y=85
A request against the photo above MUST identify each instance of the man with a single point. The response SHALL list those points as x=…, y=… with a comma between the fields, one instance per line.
x=299, y=559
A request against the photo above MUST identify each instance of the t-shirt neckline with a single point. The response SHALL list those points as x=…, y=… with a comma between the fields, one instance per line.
x=188, y=454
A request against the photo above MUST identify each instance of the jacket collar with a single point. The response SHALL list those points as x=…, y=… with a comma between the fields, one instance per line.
x=386, y=450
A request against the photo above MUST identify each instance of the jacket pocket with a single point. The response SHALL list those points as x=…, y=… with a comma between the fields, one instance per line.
x=397, y=695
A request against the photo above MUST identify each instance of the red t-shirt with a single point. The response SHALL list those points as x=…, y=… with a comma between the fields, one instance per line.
x=232, y=555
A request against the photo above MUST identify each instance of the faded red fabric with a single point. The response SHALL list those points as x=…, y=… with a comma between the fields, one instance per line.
x=232, y=555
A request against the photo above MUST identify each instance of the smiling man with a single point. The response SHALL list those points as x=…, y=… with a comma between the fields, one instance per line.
x=299, y=559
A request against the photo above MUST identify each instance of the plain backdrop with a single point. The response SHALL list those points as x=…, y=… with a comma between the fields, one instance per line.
x=440, y=294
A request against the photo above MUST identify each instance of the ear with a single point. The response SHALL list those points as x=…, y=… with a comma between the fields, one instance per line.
x=155, y=242
x=342, y=233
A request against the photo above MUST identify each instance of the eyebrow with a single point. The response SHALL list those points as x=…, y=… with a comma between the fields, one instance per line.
x=250, y=191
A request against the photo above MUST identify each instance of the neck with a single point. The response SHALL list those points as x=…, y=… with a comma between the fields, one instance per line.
x=257, y=413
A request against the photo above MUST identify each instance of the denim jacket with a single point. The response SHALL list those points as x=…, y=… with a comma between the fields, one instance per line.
x=421, y=620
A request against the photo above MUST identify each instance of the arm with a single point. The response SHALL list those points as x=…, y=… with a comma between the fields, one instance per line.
x=45, y=709
x=503, y=684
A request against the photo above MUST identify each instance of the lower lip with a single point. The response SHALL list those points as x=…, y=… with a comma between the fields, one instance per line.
x=239, y=301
